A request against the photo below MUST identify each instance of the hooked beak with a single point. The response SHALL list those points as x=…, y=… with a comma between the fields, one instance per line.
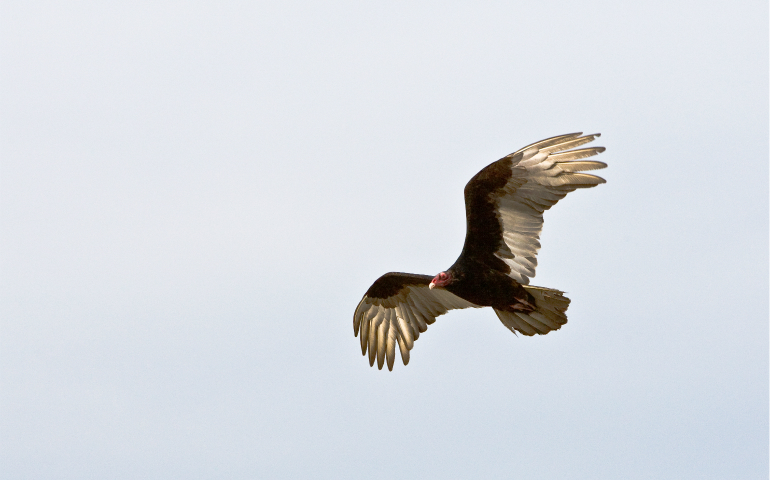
x=431, y=285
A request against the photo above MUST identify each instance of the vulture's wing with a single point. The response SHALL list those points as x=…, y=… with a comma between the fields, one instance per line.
x=395, y=310
x=504, y=202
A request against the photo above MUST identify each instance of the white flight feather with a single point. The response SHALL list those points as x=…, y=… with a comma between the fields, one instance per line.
x=382, y=328
x=521, y=205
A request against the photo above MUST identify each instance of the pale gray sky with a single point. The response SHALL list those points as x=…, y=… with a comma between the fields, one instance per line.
x=195, y=196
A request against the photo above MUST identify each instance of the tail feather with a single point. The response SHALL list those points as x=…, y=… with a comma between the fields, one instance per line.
x=548, y=315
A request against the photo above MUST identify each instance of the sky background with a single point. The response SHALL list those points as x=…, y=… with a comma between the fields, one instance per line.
x=194, y=197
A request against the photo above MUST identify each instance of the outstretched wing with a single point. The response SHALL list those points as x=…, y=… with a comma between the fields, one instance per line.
x=504, y=202
x=395, y=310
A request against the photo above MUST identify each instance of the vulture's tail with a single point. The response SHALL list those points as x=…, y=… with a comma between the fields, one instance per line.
x=549, y=314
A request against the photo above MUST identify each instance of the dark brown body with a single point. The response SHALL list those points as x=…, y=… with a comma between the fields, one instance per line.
x=479, y=284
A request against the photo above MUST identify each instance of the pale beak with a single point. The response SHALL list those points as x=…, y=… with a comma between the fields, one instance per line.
x=431, y=285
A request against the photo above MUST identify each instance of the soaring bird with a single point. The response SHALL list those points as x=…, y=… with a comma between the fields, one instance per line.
x=504, y=205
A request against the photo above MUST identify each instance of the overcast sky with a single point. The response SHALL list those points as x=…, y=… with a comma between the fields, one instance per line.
x=195, y=196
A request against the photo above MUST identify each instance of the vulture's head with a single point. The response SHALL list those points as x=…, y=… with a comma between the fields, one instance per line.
x=441, y=280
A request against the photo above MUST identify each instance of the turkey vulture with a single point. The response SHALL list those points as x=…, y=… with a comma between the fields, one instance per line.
x=504, y=205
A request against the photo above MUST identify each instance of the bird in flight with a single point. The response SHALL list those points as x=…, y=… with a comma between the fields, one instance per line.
x=504, y=205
